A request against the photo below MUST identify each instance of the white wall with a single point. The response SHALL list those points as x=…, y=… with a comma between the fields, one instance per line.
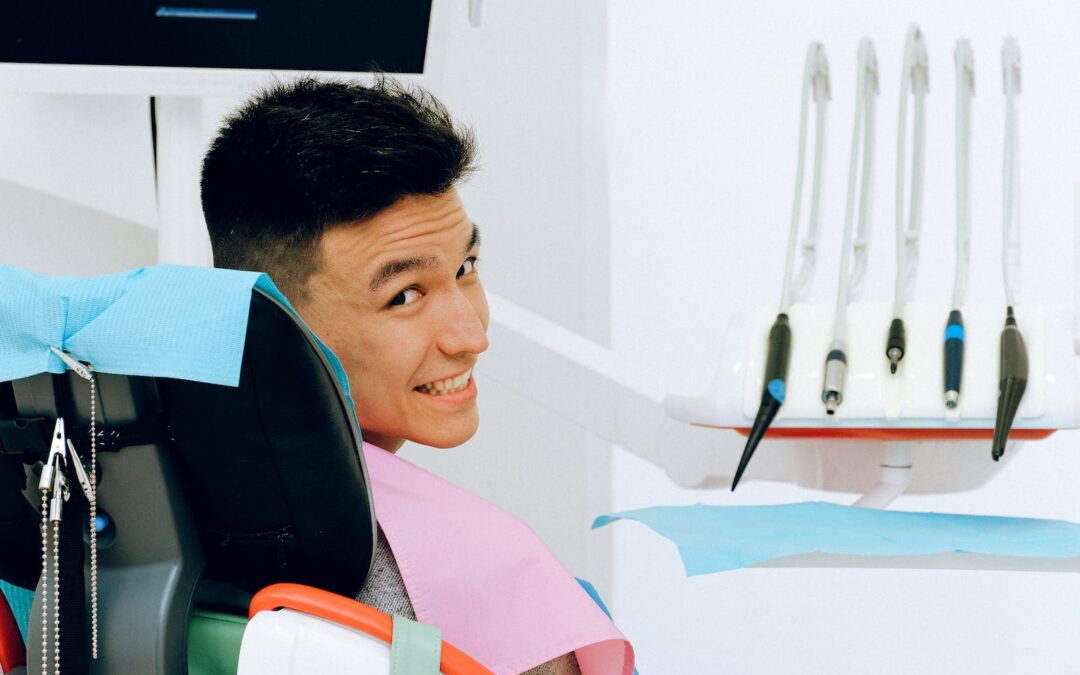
x=703, y=110
x=76, y=183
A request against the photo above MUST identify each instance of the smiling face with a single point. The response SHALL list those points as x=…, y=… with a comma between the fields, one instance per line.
x=398, y=299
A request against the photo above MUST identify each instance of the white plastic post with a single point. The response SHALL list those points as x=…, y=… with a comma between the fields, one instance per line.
x=895, y=477
x=182, y=237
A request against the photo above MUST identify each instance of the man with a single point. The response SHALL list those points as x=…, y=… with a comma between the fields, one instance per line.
x=345, y=194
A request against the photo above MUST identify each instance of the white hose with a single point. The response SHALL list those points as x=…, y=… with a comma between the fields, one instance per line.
x=862, y=134
x=965, y=91
x=1010, y=65
x=815, y=79
x=914, y=80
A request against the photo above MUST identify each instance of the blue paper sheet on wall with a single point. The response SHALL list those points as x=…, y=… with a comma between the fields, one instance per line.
x=721, y=538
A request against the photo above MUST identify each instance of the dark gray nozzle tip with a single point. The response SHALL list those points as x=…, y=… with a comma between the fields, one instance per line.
x=766, y=413
x=894, y=347
x=1014, y=375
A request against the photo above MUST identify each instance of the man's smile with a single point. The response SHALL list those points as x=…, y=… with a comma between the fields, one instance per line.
x=448, y=385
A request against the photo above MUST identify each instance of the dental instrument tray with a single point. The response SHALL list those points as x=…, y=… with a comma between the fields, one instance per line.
x=878, y=405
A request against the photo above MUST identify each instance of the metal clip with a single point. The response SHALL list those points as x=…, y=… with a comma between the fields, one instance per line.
x=868, y=57
x=965, y=64
x=920, y=60
x=80, y=474
x=55, y=458
x=60, y=494
x=817, y=70
x=81, y=369
x=1010, y=65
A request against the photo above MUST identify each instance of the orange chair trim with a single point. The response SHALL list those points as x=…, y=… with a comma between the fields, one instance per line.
x=353, y=614
x=899, y=434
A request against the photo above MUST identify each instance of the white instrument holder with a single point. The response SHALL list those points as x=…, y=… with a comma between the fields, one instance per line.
x=911, y=399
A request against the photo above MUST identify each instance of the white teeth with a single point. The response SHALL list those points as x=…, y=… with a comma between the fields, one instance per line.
x=447, y=386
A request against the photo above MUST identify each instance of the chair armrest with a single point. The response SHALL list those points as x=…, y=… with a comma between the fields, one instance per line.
x=352, y=614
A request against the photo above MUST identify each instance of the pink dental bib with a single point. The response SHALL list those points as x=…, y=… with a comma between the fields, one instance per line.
x=485, y=578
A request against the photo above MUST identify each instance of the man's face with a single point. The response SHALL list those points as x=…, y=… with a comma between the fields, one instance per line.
x=398, y=299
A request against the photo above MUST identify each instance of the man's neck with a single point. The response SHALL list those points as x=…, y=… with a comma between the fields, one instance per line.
x=388, y=443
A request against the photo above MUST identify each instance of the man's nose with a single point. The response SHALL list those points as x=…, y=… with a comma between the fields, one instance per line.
x=462, y=329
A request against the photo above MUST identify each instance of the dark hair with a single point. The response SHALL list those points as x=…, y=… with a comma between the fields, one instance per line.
x=303, y=156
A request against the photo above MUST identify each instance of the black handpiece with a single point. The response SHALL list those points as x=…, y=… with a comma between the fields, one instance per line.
x=894, y=347
x=1014, y=374
x=954, y=357
x=773, y=391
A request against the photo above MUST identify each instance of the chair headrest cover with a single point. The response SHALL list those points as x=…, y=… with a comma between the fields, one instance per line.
x=271, y=463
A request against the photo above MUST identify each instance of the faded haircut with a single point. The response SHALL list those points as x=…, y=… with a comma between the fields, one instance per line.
x=306, y=155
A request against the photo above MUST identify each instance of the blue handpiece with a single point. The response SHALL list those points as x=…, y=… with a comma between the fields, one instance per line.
x=954, y=357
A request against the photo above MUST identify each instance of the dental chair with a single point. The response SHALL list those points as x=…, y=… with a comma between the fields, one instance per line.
x=215, y=504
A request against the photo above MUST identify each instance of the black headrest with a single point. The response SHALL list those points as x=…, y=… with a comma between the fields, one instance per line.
x=272, y=470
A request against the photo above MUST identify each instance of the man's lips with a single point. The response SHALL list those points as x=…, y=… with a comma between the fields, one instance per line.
x=446, y=385
x=458, y=396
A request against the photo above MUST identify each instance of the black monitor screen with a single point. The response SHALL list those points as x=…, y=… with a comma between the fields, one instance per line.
x=343, y=35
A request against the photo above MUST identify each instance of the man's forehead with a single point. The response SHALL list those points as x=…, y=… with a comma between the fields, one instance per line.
x=393, y=263
x=413, y=223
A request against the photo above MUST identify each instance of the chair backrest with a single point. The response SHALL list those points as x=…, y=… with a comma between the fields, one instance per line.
x=273, y=468
x=247, y=485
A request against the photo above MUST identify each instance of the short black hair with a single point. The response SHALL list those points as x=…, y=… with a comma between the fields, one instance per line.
x=305, y=155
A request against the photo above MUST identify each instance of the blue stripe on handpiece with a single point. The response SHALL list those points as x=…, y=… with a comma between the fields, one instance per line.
x=777, y=389
x=954, y=332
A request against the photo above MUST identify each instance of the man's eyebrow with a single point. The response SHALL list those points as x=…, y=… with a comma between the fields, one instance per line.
x=396, y=267
x=474, y=240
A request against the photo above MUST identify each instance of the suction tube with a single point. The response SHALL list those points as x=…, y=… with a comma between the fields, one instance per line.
x=773, y=391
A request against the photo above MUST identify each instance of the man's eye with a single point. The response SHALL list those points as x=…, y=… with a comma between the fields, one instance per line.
x=468, y=267
x=407, y=296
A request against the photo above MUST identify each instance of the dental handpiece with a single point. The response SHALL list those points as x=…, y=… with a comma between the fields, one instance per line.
x=773, y=390
x=832, y=393
x=954, y=358
x=894, y=346
x=1014, y=375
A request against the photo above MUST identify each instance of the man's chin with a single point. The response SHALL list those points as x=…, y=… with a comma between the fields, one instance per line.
x=443, y=442
x=443, y=437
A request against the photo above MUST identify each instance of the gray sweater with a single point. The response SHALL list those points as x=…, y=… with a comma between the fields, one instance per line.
x=385, y=591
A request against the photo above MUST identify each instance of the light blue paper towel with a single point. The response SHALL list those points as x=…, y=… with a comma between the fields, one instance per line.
x=166, y=321
x=721, y=538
